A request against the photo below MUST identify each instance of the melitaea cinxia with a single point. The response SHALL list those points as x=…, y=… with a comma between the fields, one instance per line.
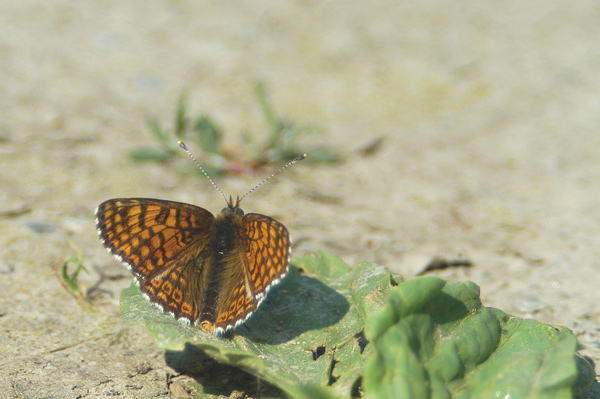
x=205, y=270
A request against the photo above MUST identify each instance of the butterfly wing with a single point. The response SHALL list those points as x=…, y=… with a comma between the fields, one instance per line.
x=262, y=261
x=266, y=252
x=164, y=244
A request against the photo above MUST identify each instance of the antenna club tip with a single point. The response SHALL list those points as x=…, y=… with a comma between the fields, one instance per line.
x=181, y=144
x=298, y=158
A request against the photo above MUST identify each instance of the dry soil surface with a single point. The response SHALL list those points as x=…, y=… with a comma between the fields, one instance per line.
x=489, y=114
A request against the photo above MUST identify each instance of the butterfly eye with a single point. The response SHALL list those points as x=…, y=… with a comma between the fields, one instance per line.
x=237, y=211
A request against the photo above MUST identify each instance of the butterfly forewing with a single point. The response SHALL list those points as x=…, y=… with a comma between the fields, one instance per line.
x=266, y=252
x=165, y=244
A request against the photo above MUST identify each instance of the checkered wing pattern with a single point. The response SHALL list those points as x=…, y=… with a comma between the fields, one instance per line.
x=165, y=245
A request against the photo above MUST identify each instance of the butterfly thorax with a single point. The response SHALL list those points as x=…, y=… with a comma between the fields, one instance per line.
x=227, y=224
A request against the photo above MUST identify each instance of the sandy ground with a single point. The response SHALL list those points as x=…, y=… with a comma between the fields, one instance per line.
x=489, y=112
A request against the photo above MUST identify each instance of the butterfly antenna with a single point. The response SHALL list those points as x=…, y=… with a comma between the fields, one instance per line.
x=184, y=148
x=300, y=158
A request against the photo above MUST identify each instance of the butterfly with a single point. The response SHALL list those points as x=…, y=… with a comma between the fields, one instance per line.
x=204, y=270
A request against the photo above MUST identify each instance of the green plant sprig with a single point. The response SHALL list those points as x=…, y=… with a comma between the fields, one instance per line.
x=283, y=142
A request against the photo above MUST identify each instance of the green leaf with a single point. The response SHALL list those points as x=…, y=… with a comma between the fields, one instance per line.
x=331, y=331
x=150, y=154
x=207, y=135
x=275, y=125
x=162, y=136
x=434, y=339
x=181, y=118
x=324, y=155
x=71, y=281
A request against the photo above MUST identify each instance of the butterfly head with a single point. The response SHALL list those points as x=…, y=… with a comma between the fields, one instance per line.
x=233, y=206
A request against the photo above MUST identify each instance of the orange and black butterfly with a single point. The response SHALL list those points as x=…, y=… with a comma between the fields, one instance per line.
x=205, y=270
